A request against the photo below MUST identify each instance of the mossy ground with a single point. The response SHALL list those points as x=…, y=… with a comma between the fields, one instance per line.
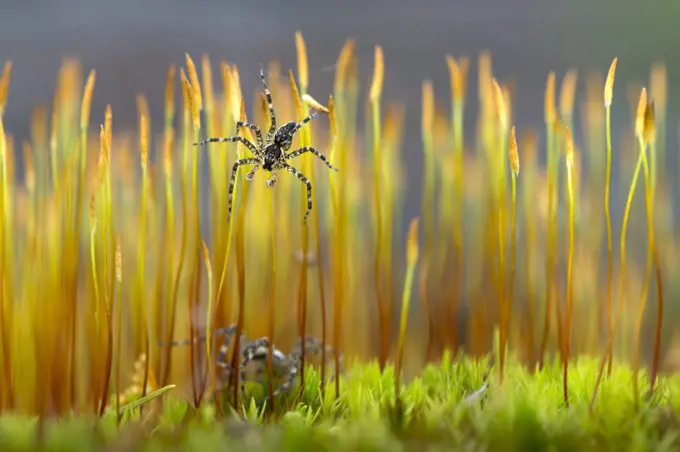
x=443, y=409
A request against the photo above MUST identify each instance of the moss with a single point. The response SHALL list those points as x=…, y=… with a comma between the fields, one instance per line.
x=525, y=413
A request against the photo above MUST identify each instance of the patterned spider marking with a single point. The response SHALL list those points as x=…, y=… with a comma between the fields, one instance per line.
x=270, y=154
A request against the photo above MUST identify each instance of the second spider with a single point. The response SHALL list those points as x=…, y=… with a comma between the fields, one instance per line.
x=271, y=152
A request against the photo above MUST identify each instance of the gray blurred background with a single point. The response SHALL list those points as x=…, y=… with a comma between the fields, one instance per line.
x=131, y=43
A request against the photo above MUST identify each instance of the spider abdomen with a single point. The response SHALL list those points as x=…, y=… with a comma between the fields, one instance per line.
x=272, y=155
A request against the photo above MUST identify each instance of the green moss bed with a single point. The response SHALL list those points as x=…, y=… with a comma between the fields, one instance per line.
x=451, y=405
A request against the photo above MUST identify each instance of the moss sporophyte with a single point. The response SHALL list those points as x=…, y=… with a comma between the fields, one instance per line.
x=283, y=293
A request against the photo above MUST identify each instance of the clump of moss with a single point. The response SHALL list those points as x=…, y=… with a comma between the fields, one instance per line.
x=443, y=406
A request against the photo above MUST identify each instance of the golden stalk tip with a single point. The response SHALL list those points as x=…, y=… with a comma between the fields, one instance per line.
x=314, y=103
x=499, y=103
x=303, y=71
x=4, y=85
x=378, y=75
x=550, y=99
x=640, y=114
x=412, y=246
x=87, y=99
x=195, y=85
x=649, y=127
x=513, y=154
x=609, y=84
x=568, y=92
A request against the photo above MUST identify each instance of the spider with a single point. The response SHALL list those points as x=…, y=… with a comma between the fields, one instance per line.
x=271, y=153
x=287, y=366
x=284, y=366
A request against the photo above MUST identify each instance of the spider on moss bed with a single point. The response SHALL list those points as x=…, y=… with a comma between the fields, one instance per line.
x=284, y=367
x=271, y=153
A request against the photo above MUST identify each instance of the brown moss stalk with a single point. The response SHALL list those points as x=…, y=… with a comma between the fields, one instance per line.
x=119, y=326
x=272, y=299
x=337, y=262
x=4, y=85
x=647, y=139
x=608, y=96
x=551, y=219
x=240, y=264
x=457, y=75
x=529, y=151
x=639, y=125
x=304, y=80
x=513, y=156
x=144, y=132
x=427, y=121
x=374, y=99
x=302, y=293
x=650, y=137
x=412, y=251
x=168, y=261
x=502, y=117
x=569, y=154
x=4, y=186
x=186, y=93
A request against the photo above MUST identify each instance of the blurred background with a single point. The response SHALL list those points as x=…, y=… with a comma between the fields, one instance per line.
x=131, y=45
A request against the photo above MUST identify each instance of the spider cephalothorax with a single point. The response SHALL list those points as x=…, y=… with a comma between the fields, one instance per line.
x=271, y=153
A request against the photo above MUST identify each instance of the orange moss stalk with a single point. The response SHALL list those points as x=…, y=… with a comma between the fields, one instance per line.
x=6, y=392
x=502, y=116
x=649, y=136
x=567, y=94
x=196, y=106
x=550, y=117
x=411, y=260
x=186, y=95
x=4, y=85
x=514, y=166
x=4, y=186
x=240, y=260
x=167, y=261
x=457, y=75
x=272, y=299
x=208, y=343
x=304, y=80
x=302, y=294
x=337, y=300
x=374, y=98
x=639, y=127
x=608, y=96
x=646, y=139
x=658, y=89
x=427, y=121
x=119, y=310
x=84, y=123
x=569, y=153
x=141, y=298
x=107, y=242
x=232, y=90
x=319, y=264
x=529, y=145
